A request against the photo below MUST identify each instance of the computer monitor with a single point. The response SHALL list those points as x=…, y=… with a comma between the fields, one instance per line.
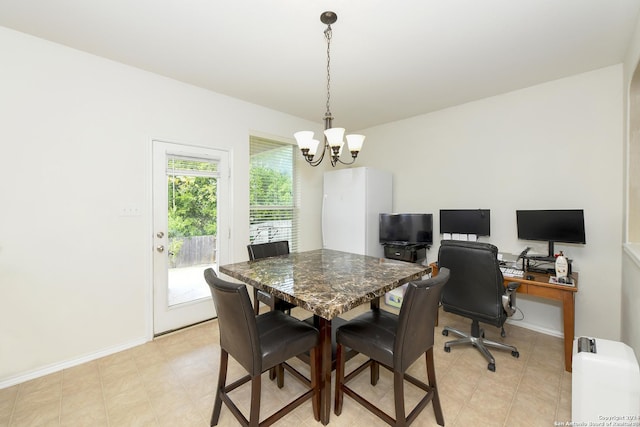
x=406, y=229
x=465, y=221
x=565, y=226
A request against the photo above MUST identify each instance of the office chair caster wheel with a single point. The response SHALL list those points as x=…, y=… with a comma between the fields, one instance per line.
x=445, y=332
x=492, y=367
x=515, y=354
x=447, y=349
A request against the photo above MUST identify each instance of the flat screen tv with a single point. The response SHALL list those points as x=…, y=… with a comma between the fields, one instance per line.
x=465, y=221
x=564, y=226
x=406, y=229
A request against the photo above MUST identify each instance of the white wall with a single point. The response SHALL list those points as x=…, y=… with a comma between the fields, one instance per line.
x=631, y=255
x=75, y=137
x=552, y=146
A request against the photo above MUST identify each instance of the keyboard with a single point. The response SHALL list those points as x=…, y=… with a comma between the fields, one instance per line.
x=511, y=272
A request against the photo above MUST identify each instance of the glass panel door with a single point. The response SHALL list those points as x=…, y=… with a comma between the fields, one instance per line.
x=190, y=198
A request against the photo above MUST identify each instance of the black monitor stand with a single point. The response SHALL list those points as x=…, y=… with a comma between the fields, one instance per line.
x=551, y=260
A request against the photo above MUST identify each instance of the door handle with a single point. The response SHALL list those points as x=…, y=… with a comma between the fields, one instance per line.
x=160, y=248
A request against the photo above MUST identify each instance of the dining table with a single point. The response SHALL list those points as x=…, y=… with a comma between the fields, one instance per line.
x=326, y=283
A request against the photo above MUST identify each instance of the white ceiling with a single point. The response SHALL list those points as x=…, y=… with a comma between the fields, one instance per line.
x=389, y=60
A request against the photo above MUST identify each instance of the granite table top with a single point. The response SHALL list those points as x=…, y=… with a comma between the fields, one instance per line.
x=326, y=282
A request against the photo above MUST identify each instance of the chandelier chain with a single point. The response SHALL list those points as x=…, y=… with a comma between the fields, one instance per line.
x=327, y=35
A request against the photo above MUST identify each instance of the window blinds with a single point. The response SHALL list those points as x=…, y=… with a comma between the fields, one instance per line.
x=273, y=213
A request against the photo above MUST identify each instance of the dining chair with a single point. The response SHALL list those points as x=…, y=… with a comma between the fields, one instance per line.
x=260, y=251
x=259, y=343
x=395, y=342
x=265, y=250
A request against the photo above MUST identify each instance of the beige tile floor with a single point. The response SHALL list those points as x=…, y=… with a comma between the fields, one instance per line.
x=170, y=382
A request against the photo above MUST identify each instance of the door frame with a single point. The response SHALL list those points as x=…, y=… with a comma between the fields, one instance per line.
x=224, y=220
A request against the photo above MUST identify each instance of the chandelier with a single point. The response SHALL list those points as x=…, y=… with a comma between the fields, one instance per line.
x=333, y=137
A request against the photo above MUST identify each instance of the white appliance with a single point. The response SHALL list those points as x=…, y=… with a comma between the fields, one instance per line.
x=353, y=199
x=605, y=383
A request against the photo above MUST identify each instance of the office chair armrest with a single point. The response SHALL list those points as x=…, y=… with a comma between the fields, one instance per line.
x=512, y=286
x=509, y=298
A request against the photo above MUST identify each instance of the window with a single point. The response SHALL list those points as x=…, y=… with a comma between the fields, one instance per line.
x=272, y=209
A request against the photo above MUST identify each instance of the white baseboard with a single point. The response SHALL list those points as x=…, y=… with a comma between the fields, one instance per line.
x=40, y=372
x=536, y=328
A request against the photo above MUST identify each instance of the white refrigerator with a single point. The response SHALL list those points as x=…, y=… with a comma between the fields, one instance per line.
x=353, y=199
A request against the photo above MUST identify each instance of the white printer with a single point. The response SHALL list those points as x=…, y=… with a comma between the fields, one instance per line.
x=605, y=383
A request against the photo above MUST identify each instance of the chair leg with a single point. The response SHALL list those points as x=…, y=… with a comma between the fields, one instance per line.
x=398, y=398
x=458, y=332
x=401, y=417
x=499, y=345
x=222, y=379
x=375, y=372
x=315, y=381
x=256, y=303
x=476, y=338
x=279, y=369
x=431, y=376
x=339, y=396
x=254, y=417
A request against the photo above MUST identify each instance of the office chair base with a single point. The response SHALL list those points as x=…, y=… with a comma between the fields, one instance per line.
x=479, y=343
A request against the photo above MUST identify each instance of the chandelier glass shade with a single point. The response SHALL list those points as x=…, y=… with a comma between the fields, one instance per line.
x=333, y=140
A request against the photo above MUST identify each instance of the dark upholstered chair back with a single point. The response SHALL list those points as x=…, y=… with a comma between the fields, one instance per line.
x=265, y=250
x=416, y=321
x=237, y=322
x=476, y=286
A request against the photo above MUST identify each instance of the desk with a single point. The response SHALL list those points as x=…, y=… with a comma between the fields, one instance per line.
x=541, y=287
x=326, y=283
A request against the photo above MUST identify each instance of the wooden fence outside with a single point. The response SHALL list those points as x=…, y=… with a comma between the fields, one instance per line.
x=188, y=251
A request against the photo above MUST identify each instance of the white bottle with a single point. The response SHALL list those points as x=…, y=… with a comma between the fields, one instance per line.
x=562, y=266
